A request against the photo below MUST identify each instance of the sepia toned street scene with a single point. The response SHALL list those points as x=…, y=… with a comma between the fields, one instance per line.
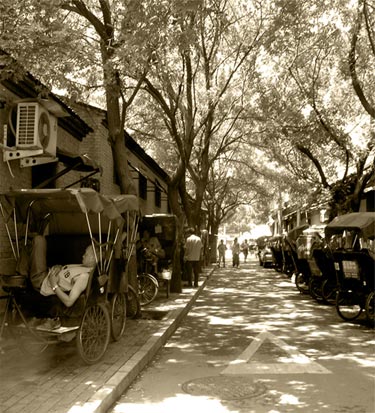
x=187, y=206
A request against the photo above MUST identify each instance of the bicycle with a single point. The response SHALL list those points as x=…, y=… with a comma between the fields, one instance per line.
x=148, y=284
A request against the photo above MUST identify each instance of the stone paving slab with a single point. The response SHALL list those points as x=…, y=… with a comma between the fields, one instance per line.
x=59, y=382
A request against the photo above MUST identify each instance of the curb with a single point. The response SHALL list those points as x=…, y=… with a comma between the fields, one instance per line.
x=109, y=393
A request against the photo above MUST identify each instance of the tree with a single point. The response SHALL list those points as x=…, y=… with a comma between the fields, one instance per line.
x=201, y=82
x=314, y=114
x=84, y=47
x=362, y=55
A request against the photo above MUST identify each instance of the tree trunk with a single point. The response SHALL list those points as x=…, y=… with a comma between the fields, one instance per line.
x=173, y=198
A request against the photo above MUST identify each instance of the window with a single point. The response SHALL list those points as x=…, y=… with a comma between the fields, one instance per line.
x=142, y=186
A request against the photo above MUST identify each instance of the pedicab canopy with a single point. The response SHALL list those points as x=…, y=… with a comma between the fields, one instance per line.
x=66, y=209
x=362, y=222
x=294, y=233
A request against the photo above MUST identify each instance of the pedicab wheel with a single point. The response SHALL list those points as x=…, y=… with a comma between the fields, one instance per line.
x=94, y=333
x=118, y=315
x=348, y=305
x=329, y=291
x=370, y=307
x=148, y=288
x=133, y=306
x=315, y=289
x=301, y=284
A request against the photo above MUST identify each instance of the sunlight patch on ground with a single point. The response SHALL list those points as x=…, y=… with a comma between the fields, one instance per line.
x=289, y=399
x=363, y=362
x=223, y=321
x=224, y=290
x=180, y=346
x=180, y=403
x=295, y=358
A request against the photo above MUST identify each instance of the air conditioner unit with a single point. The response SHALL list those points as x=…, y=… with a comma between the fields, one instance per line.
x=36, y=128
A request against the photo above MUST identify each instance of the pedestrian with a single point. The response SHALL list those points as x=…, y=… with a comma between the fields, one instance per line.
x=236, y=253
x=221, y=249
x=193, y=250
x=245, y=249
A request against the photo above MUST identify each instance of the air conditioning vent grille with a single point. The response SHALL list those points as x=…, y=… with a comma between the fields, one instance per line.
x=27, y=125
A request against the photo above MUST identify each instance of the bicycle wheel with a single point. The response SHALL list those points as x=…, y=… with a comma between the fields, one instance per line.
x=370, y=307
x=348, y=305
x=329, y=291
x=118, y=315
x=148, y=288
x=133, y=306
x=301, y=283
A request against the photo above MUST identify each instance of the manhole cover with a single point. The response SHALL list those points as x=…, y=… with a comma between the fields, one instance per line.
x=224, y=387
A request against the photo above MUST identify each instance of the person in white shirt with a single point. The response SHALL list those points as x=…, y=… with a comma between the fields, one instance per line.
x=57, y=289
x=192, y=256
x=69, y=281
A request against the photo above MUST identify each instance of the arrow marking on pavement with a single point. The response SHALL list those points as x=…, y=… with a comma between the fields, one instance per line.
x=293, y=363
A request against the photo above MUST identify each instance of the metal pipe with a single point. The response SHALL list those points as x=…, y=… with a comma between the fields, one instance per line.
x=8, y=231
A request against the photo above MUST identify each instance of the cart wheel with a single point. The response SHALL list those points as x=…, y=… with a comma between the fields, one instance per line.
x=148, y=288
x=348, y=305
x=370, y=307
x=133, y=306
x=315, y=289
x=118, y=315
x=93, y=334
x=329, y=291
x=301, y=283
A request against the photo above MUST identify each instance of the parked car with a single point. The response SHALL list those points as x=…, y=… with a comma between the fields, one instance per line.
x=264, y=252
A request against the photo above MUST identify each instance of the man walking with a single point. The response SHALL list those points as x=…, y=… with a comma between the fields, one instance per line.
x=221, y=249
x=193, y=247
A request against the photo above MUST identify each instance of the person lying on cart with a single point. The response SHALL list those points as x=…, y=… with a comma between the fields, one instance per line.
x=58, y=287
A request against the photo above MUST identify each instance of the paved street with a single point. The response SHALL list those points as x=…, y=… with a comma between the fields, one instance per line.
x=252, y=343
x=59, y=382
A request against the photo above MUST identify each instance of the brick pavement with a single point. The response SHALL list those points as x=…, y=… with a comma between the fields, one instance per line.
x=59, y=382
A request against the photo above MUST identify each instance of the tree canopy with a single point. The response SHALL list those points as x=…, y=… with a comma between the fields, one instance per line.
x=262, y=89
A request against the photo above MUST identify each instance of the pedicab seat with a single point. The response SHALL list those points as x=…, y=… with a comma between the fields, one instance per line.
x=13, y=281
x=355, y=264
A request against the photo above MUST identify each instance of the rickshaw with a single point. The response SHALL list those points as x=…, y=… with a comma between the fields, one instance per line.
x=309, y=247
x=70, y=220
x=351, y=239
x=292, y=264
x=276, y=246
x=164, y=227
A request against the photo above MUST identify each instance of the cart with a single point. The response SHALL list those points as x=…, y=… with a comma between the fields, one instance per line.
x=276, y=246
x=70, y=220
x=351, y=239
x=293, y=266
x=309, y=250
x=164, y=227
